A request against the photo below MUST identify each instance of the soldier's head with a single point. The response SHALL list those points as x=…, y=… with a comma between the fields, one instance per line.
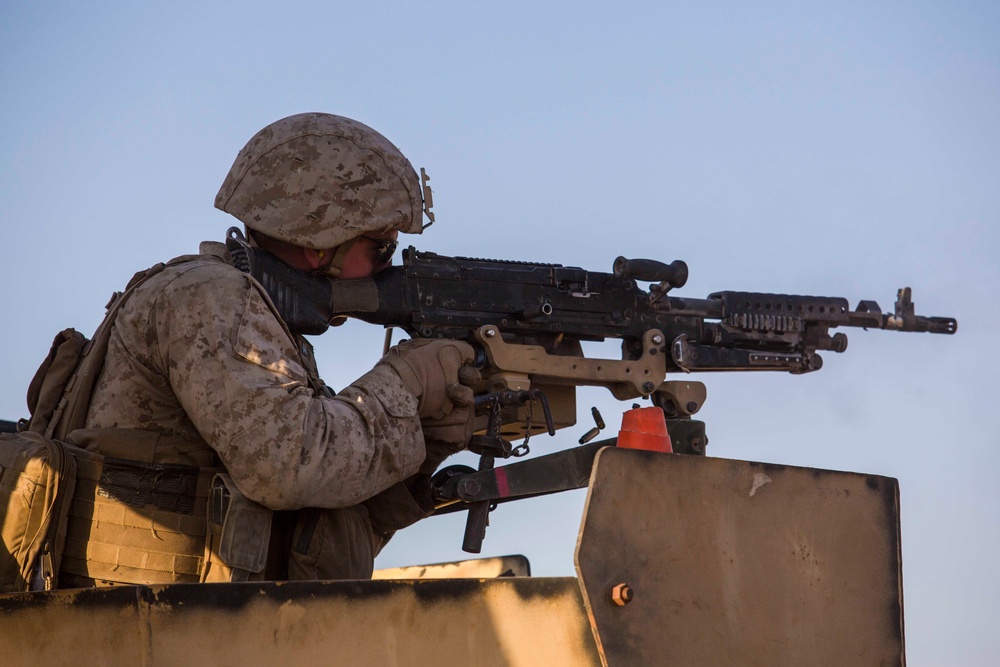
x=324, y=193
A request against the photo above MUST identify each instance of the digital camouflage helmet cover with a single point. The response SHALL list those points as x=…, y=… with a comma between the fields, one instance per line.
x=317, y=180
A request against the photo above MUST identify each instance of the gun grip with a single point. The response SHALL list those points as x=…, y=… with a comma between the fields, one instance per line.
x=475, y=527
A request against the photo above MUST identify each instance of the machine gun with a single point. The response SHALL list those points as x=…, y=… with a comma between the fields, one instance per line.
x=527, y=316
x=528, y=321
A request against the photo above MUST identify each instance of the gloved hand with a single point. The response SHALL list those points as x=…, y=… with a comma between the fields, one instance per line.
x=429, y=369
x=438, y=451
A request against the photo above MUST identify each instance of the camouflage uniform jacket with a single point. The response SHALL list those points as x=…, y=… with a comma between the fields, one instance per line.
x=199, y=355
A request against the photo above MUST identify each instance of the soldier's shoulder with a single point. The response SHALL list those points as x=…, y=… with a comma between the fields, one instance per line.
x=196, y=273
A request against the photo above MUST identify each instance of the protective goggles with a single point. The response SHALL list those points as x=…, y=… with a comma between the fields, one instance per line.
x=384, y=250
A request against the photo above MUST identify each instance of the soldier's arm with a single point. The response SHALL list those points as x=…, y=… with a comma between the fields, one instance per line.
x=237, y=374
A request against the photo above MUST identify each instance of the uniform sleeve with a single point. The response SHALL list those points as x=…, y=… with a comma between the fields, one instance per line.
x=236, y=372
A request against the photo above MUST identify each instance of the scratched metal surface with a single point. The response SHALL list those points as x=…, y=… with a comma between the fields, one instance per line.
x=509, y=622
x=732, y=562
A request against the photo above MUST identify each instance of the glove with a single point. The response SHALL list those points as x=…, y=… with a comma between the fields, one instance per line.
x=437, y=452
x=429, y=369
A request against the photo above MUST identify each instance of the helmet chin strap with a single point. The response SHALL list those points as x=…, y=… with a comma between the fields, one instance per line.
x=336, y=266
x=332, y=270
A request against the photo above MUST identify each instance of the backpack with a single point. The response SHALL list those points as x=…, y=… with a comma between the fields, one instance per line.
x=38, y=470
x=67, y=505
x=37, y=481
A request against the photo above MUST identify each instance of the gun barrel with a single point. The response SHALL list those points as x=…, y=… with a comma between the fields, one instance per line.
x=938, y=325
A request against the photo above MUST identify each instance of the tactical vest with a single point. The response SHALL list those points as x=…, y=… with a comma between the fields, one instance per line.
x=84, y=518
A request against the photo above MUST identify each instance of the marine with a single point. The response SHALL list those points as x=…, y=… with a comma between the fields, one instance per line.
x=205, y=373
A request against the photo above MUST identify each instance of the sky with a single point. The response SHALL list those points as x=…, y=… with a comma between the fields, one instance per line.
x=840, y=149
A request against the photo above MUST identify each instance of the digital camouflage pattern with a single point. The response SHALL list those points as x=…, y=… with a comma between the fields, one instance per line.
x=201, y=370
x=199, y=355
x=317, y=180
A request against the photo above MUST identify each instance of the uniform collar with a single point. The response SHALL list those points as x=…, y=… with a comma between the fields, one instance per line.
x=215, y=249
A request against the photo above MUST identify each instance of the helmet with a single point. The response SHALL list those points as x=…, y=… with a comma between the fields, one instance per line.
x=317, y=180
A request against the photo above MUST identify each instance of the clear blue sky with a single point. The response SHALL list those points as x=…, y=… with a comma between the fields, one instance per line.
x=841, y=149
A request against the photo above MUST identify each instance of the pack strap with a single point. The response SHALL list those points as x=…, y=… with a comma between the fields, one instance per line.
x=71, y=412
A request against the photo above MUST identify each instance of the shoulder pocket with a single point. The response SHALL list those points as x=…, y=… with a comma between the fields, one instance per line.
x=261, y=339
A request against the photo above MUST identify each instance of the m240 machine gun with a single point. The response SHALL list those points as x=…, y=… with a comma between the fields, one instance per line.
x=528, y=321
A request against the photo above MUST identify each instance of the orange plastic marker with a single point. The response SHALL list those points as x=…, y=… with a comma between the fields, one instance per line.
x=645, y=428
